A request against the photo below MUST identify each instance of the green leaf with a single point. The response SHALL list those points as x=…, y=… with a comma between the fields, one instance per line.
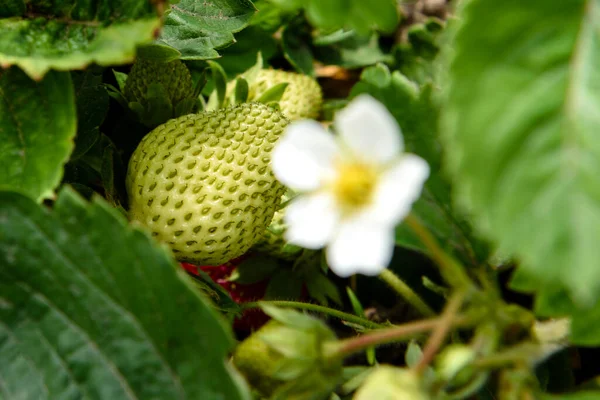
x=113, y=175
x=37, y=127
x=92, y=106
x=158, y=52
x=411, y=105
x=295, y=42
x=102, y=313
x=197, y=28
x=70, y=35
x=241, y=91
x=219, y=80
x=586, y=395
x=353, y=52
x=362, y=16
x=360, y=311
x=284, y=284
x=521, y=126
x=254, y=269
x=273, y=94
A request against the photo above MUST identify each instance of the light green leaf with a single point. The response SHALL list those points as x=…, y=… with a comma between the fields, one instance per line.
x=362, y=16
x=352, y=52
x=37, y=127
x=521, y=126
x=584, y=395
x=71, y=35
x=197, y=28
x=100, y=313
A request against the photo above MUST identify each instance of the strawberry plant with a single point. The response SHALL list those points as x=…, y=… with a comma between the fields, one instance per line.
x=284, y=199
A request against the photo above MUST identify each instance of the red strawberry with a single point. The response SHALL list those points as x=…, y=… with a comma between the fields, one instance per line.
x=251, y=319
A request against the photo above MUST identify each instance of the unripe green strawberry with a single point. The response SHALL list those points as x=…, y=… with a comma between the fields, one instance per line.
x=302, y=98
x=203, y=184
x=173, y=75
x=158, y=91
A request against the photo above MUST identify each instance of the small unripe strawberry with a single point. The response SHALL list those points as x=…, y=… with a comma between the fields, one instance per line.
x=202, y=183
x=302, y=98
x=173, y=75
x=158, y=91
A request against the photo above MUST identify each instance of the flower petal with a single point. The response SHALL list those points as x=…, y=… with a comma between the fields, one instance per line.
x=399, y=187
x=304, y=155
x=311, y=220
x=369, y=130
x=360, y=247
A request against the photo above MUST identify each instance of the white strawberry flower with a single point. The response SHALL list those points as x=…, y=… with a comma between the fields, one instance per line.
x=353, y=189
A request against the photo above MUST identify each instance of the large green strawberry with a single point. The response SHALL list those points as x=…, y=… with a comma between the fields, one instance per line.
x=302, y=98
x=158, y=91
x=203, y=184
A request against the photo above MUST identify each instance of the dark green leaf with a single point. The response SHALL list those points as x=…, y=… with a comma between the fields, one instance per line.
x=521, y=129
x=197, y=28
x=37, y=127
x=92, y=104
x=295, y=43
x=284, y=285
x=254, y=269
x=113, y=176
x=100, y=313
x=67, y=35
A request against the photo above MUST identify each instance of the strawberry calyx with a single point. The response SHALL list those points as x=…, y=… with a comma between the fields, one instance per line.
x=250, y=319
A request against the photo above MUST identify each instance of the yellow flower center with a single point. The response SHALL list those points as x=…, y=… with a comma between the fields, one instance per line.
x=354, y=185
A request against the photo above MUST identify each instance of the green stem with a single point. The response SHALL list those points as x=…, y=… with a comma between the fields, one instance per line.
x=440, y=332
x=397, y=333
x=406, y=292
x=452, y=272
x=317, y=308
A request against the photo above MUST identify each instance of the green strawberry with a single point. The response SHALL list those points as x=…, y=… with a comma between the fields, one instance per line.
x=302, y=98
x=158, y=91
x=203, y=183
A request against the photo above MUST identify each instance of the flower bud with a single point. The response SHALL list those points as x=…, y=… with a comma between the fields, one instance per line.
x=387, y=382
x=285, y=359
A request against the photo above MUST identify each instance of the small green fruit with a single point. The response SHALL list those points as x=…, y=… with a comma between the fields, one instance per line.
x=158, y=91
x=302, y=98
x=173, y=75
x=203, y=184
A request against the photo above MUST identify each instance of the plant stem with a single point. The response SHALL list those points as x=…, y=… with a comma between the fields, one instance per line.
x=317, y=308
x=406, y=292
x=397, y=333
x=452, y=272
x=439, y=333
